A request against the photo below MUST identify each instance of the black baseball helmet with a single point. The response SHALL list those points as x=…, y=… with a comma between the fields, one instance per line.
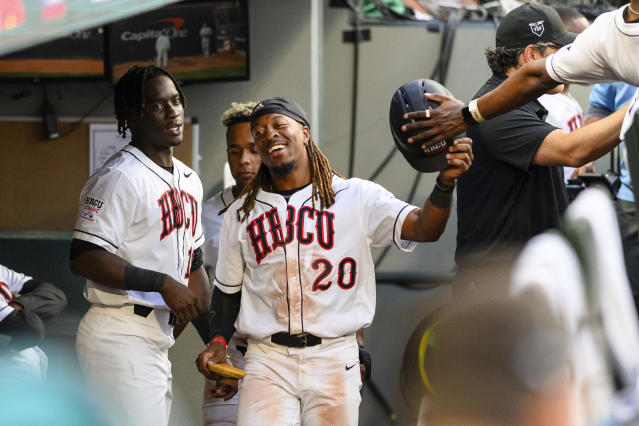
x=409, y=98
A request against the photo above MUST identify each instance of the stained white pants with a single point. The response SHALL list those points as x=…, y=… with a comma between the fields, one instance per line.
x=317, y=385
x=124, y=358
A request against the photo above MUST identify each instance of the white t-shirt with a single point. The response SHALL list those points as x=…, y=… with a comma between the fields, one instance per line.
x=301, y=269
x=11, y=283
x=565, y=113
x=145, y=214
x=605, y=51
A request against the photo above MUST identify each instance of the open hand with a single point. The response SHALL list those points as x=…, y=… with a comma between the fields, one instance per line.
x=440, y=123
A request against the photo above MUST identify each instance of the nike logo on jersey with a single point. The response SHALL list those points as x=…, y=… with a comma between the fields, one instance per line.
x=348, y=368
x=186, y=175
x=298, y=225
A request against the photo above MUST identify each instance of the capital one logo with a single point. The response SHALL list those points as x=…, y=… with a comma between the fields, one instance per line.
x=537, y=28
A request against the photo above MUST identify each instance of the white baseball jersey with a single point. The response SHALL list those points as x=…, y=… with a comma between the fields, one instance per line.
x=11, y=283
x=302, y=269
x=603, y=52
x=145, y=214
x=564, y=112
x=212, y=224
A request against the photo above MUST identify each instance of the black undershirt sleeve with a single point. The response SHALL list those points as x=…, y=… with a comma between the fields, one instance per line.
x=79, y=247
x=225, y=308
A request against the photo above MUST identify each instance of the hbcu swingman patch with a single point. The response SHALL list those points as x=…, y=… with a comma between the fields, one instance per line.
x=91, y=208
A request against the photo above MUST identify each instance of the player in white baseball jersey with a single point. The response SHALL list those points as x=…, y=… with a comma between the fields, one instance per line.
x=604, y=52
x=205, y=36
x=244, y=162
x=25, y=304
x=162, y=46
x=295, y=263
x=137, y=240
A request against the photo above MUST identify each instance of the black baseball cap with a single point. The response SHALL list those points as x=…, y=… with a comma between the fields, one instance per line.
x=532, y=24
x=282, y=106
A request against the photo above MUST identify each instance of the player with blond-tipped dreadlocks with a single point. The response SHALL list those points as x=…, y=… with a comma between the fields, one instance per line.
x=295, y=272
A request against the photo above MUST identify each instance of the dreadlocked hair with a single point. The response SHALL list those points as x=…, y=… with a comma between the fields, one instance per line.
x=321, y=180
x=129, y=93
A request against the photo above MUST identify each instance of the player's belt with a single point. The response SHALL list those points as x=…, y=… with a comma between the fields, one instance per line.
x=301, y=340
x=145, y=311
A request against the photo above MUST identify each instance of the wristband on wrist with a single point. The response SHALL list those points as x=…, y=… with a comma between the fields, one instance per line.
x=142, y=279
x=439, y=183
x=468, y=117
x=218, y=339
x=442, y=198
x=474, y=111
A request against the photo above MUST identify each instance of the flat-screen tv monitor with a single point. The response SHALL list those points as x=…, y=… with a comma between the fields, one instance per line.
x=79, y=55
x=194, y=41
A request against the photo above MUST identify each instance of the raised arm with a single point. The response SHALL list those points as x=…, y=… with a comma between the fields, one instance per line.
x=525, y=85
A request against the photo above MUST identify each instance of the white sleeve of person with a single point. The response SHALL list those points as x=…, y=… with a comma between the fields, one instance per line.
x=383, y=215
x=599, y=54
x=106, y=208
x=229, y=270
x=11, y=282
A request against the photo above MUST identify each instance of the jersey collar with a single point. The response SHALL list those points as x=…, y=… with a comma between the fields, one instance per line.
x=630, y=29
x=164, y=174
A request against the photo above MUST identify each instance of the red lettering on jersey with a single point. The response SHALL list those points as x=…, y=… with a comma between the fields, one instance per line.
x=193, y=214
x=257, y=235
x=5, y=292
x=167, y=220
x=575, y=122
x=325, y=228
x=174, y=214
x=290, y=219
x=301, y=237
x=184, y=197
x=276, y=227
x=176, y=206
x=263, y=245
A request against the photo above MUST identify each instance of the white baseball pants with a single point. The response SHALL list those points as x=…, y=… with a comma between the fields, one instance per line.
x=316, y=385
x=124, y=358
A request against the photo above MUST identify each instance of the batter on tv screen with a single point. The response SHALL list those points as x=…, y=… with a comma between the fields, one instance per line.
x=193, y=41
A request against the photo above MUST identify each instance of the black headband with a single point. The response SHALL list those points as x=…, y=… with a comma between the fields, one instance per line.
x=280, y=106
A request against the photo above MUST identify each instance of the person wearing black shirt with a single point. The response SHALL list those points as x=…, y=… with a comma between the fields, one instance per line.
x=514, y=190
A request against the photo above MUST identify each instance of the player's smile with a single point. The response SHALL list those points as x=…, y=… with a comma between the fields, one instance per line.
x=278, y=139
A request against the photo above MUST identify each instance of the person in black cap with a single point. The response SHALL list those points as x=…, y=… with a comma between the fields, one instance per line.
x=515, y=188
x=295, y=272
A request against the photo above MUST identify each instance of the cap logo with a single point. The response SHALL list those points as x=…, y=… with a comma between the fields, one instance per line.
x=537, y=28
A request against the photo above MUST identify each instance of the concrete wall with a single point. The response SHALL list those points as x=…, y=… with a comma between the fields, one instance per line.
x=280, y=60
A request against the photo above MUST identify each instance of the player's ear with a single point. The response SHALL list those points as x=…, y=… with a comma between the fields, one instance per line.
x=307, y=133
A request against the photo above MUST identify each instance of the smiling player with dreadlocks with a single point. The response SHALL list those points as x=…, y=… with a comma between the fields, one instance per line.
x=136, y=240
x=295, y=272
